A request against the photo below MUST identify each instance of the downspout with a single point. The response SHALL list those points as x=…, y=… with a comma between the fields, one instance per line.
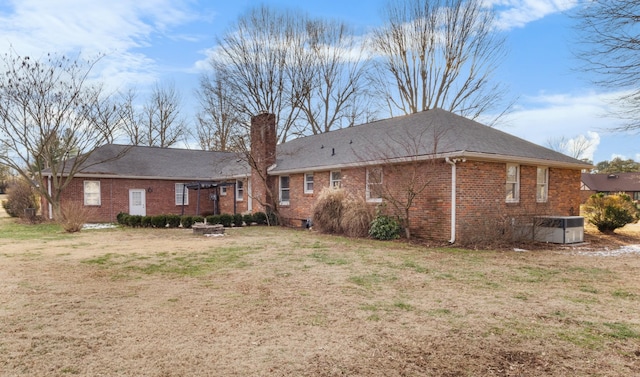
x=49, y=190
x=453, y=198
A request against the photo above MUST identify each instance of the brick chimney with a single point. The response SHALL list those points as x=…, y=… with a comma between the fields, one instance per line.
x=263, y=155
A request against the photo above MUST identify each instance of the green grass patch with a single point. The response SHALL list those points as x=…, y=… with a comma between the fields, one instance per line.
x=328, y=259
x=370, y=281
x=621, y=293
x=536, y=274
x=175, y=263
x=10, y=229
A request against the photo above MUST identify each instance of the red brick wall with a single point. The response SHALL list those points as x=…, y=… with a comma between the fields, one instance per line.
x=160, y=198
x=480, y=195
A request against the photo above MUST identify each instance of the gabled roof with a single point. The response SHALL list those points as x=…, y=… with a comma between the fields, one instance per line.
x=122, y=161
x=428, y=134
x=618, y=182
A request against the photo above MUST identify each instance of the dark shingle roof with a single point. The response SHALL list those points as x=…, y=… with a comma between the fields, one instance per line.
x=617, y=182
x=169, y=163
x=419, y=134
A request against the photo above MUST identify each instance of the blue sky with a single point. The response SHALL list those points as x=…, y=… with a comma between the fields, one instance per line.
x=167, y=40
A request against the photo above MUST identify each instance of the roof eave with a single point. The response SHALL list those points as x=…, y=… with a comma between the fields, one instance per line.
x=458, y=154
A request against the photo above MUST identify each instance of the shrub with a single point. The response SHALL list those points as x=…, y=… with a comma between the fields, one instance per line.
x=260, y=218
x=248, y=219
x=173, y=221
x=610, y=212
x=327, y=213
x=213, y=219
x=197, y=219
x=20, y=196
x=226, y=220
x=74, y=216
x=134, y=221
x=356, y=218
x=146, y=222
x=121, y=218
x=384, y=228
x=159, y=221
x=237, y=219
x=186, y=221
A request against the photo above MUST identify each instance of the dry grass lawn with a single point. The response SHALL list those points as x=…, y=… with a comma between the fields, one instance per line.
x=276, y=302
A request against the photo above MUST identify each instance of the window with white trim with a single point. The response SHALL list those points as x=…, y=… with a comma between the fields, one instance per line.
x=636, y=195
x=308, y=183
x=542, y=184
x=513, y=183
x=181, y=190
x=374, y=184
x=285, y=190
x=223, y=190
x=91, y=193
x=239, y=190
x=336, y=179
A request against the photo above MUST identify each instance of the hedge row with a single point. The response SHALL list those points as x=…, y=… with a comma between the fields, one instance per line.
x=175, y=221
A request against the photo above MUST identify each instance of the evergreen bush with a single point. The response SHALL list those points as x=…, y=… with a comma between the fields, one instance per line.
x=173, y=221
x=248, y=219
x=146, y=222
x=226, y=220
x=159, y=221
x=213, y=219
x=237, y=220
x=186, y=221
x=260, y=218
x=610, y=212
x=384, y=228
x=121, y=218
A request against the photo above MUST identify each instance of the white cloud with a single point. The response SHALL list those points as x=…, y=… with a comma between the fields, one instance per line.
x=116, y=28
x=518, y=13
x=562, y=115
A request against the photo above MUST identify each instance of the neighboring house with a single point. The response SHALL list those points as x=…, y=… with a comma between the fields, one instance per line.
x=467, y=178
x=613, y=183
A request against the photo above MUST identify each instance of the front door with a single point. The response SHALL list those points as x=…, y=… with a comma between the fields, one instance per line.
x=137, y=202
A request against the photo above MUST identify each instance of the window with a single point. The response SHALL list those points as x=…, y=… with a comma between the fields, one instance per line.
x=374, y=184
x=336, y=179
x=239, y=191
x=513, y=183
x=223, y=190
x=91, y=193
x=180, y=189
x=284, y=190
x=542, y=186
x=636, y=195
x=308, y=183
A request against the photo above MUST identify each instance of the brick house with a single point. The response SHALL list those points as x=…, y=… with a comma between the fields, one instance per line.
x=467, y=177
x=629, y=183
x=152, y=181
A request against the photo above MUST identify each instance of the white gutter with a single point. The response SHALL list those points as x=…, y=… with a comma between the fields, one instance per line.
x=453, y=195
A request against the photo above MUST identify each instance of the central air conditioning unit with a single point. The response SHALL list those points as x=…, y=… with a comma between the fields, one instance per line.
x=559, y=229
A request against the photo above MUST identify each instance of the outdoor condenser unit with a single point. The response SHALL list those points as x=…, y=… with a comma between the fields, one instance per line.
x=559, y=229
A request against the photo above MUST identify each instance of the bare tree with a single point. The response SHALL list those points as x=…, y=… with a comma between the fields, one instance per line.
x=47, y=116
x=339, y=63
x=439, y=54
x=130, y=118
x=219, y=122
x=107, y=113
x=577, y=147
x=255, y=56
x=161, y=118
x=610, y=34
